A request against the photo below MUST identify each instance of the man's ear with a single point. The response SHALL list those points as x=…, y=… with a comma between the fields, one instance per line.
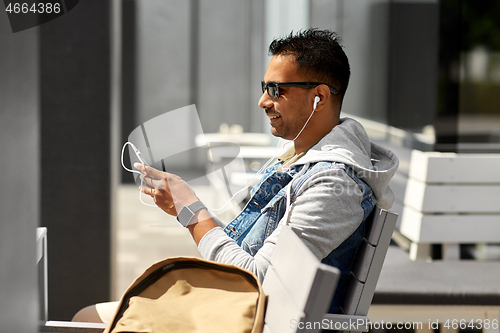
x=323, y=93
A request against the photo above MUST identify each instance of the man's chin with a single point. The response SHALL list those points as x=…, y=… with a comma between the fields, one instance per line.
x=275, y=133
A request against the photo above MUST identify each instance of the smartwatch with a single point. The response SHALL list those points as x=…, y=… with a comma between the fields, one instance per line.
x=187, y=213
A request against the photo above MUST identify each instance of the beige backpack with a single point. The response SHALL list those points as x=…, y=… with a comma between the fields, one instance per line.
x=191, y=295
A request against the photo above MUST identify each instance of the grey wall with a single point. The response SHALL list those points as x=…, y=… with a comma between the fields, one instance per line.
x=392, y=47
x=213, y=53
x=231, y=63
x=207, y=53
x=365, y=33
x=76, y=155
x=128, y=77
x=413, y=63
x=55, y=129
x=225, y=64
x=363, y=26
x=19, y=177
x=164, y=62
x=163, y=56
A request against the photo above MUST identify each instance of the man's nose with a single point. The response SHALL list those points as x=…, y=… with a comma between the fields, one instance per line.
x=265, y=101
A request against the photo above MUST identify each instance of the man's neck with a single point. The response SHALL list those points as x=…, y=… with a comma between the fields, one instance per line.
x=317, y=130
x=308, y=142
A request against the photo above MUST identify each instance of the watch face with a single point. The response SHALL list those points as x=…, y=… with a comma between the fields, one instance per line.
x=185, y=216
x=187, y=212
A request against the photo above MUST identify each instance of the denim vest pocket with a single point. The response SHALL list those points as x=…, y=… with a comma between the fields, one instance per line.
x=264, y=226
x=274, y=201
x=275, y=209
x=252, y=221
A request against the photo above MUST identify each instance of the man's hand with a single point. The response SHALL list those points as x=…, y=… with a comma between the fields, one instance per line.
x=168, y=191
x=171, y=193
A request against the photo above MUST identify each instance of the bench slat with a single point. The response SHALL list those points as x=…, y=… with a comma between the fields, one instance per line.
x=452, y=198
x=280, y=306
x=374, y=226
x=450, y=228
x=389, y=222
x=298, y=294
x=322, y=290
x=303, y=267
x=363, y=262
x=368, y=263
x=353, y=295
x=435, y=167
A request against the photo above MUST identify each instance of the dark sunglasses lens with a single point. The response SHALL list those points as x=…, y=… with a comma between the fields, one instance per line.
x=274, y=91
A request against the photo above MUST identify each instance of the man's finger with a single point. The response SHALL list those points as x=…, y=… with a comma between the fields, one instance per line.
x=147, y=191
x=147, y=181
x=152, y=172
x=154, y=183
x=138, y=166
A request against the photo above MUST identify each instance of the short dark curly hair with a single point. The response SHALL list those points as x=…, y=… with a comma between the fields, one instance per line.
x=319, y=54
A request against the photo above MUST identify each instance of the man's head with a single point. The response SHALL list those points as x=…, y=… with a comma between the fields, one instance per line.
x=319, y=56
x=310, y=56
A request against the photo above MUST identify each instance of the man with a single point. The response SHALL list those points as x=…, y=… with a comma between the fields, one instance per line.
x=325, y=185
x=329, y=175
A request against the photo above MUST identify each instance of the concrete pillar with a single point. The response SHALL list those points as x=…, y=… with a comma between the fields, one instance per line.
x=19, y=177
x=76, y=157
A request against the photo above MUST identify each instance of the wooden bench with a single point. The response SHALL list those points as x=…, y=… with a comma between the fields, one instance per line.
x=450, y=199
x=440, y=294
x=46, y=326
x=300, y=288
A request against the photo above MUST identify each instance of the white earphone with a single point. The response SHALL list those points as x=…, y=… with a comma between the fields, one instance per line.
x=316, y=100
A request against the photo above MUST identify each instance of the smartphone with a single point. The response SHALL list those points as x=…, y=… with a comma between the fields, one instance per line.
x=139, y=155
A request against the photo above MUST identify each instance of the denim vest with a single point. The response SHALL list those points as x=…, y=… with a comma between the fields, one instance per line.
x=266, y=208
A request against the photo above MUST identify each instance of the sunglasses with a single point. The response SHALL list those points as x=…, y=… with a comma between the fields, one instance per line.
x=273, y=88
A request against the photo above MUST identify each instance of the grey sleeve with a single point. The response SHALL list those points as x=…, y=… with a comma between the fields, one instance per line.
x=326, y=210
x=216, y=245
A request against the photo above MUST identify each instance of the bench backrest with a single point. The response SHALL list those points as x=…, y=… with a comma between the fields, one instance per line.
x=448, y=199
x=379, y=227
x=300, y=288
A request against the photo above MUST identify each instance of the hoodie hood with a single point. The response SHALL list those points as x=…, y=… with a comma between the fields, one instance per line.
x=348, y=143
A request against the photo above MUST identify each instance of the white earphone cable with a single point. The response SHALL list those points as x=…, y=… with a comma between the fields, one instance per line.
x=239, y=191
x=316, y=100
x=135, y=171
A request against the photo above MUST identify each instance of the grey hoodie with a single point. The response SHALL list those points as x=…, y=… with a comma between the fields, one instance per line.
x=333, y=221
